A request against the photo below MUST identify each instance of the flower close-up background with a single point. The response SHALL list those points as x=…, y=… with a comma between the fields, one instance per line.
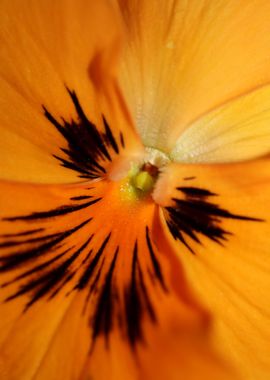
x=134, y=189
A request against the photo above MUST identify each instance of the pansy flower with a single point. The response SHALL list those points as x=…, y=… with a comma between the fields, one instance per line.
x=135, y=189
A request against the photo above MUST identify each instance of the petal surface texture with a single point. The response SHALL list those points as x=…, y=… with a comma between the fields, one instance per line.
x=231, y=278
x=184, y=59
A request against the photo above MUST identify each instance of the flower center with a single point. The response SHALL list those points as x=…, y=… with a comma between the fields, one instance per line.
x=140, y=180
x=144, y=177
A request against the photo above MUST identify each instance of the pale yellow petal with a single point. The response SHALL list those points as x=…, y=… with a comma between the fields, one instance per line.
x=184, y=58
x=239, y=130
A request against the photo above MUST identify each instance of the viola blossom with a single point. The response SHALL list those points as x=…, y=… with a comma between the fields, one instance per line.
x=135, y=189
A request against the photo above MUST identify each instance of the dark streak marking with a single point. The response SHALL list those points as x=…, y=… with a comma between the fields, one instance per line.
x=212, y=209
x=94, y=285
x=60, y=287
x=195, y=192
x=37, y=268
x=188, y=178
x=175, y=227
x=137, y=300
x=49, y=280
x=146, y=297
x=199, y=221
x=59, y=211
x=88, y=149
x=16, y=259
x=97, y=138
x=104, y=312
x=46, y=261
x=13, y=243
x=154, y=259
x=122, y=141
x=24, y=233
x=81, y=197
x=84, y=280
x=151, y=276
x=133, y=305
x=88, y=255
x=195, y=215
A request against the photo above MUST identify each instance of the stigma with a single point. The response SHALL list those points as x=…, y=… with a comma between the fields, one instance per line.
x=144, y=178
x=143, y=174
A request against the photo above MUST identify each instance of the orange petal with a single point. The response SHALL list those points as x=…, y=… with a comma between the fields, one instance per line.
x=89, y=267
x=47, y=47
x=231, y=278
x=26, y=337
x=183, y=59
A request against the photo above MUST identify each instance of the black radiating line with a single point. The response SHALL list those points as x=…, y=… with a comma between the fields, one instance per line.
x=48, y=280
x=196, y=215
x=133, y=305
x=85, y=173
x=188, y=178
x=96, y=135
x=81, y=197
x=122, y=141
x=88, y=254
x=198, y=221
x=57, y=275
x=77, y=105
x=24, y=233
x=18, y=258
x=88, y=149
x=177, y=234
x=182, y=225
x=199, y=206
x=195, y=192
x=103, y=316
x=94, y=285
x=37, y=268
x=13, y=243
x=154, y=260
x=59, y=211
x=93, y=264
x=53, y=121
x=146, y=297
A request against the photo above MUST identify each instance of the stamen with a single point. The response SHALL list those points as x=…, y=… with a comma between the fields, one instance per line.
x=155, y=157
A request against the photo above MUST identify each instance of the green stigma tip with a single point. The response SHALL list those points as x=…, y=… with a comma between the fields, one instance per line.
x=143, y=181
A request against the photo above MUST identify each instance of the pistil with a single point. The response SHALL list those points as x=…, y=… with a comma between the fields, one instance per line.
x=142, y=176
x=145, y=179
